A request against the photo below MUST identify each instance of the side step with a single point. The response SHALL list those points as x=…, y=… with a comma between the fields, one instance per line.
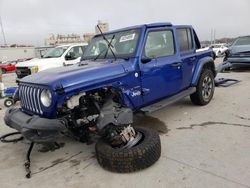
x=163, y=103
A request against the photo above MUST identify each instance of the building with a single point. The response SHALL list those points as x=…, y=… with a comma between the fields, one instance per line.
x=74, y=38
x=62, y=39
x=15, y=53
x=103, y=26
x=88, y=36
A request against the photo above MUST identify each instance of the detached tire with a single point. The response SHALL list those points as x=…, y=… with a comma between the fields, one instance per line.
x=139, y=157
x=205, y=88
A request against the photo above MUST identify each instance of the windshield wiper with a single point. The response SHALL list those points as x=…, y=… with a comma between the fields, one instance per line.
x=110, y=45
x=106, y=50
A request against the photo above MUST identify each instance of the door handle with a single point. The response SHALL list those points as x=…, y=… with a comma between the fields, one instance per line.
x=176, y=64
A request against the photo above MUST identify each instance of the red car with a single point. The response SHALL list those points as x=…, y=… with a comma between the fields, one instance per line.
x=8, y=67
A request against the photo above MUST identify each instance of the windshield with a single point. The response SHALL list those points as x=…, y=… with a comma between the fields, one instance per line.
x=123, y=44
x=242, y=41
x=56, y=52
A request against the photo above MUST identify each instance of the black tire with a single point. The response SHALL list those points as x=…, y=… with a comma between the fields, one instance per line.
x=8, y=102
x=139, y=157
x=204, y=94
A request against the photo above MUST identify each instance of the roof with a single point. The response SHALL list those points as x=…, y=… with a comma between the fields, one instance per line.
x=151, y=25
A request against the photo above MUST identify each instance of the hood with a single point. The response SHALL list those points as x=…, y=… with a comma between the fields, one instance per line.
x=86, y=74
x=37, y=62
x=239, y=49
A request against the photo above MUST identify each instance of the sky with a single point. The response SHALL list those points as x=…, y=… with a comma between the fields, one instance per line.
x=30, y=21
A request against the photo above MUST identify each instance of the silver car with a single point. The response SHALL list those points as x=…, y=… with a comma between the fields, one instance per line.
x=238, y=54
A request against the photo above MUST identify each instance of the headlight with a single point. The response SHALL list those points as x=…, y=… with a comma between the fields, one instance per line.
x=46, y=98
x=34, y=69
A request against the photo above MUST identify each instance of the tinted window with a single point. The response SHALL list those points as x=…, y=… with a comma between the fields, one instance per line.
x=159, y=44
x=185, y=39
x=77, y=50
x=242, y=41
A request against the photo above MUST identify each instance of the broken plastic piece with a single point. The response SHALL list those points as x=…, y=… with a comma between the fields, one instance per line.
x=223, y=66
x=225, y=82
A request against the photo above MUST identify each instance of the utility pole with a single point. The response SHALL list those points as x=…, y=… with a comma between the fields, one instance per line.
x=214, y=36
x=4, y=39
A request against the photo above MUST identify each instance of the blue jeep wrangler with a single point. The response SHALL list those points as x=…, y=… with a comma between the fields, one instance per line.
x=136, y=69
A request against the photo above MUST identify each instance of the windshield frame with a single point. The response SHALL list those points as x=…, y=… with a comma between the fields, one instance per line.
x=109, y=36
x=65, y=48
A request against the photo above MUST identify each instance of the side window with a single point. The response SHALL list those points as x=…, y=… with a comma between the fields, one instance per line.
x=185, y=39
x=77, y=51
x=159, y=44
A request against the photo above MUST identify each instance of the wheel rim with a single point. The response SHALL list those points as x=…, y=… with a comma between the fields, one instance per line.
x=8, y=103
x=207, y=88
x=134, y=142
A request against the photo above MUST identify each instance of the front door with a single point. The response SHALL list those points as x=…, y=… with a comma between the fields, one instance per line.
x=76, y=53
x=162, y=76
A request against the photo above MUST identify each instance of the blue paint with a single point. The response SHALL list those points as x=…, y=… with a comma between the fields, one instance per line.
x=155, y=80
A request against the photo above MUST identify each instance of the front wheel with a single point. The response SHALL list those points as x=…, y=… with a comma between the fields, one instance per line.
x=205, y=88
x=140, y=156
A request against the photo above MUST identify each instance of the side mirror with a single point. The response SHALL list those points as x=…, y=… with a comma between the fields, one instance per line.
x=70, y=56
x=145, y=60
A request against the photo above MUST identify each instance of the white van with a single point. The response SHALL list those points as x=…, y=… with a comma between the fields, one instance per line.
x=59, y=56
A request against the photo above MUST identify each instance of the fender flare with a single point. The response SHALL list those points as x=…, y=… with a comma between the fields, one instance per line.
x=206, y=61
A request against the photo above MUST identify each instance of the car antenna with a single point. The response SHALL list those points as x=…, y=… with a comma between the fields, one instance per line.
x=109, y=43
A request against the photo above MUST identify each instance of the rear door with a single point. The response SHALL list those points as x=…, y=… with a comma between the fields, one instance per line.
x=187, y=54
x=162, y=75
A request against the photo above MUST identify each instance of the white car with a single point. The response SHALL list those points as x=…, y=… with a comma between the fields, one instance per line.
x=57, y=57
x=219, y=49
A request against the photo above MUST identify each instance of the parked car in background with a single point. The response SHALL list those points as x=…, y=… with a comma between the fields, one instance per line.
x=8, y=66
x=238, y=54
x=57, y=57
x=219, y=49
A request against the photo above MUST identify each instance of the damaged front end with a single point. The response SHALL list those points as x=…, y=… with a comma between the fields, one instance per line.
x=79, y=116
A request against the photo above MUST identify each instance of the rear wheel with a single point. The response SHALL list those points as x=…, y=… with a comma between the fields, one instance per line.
x=140, y=156
x=205, y=88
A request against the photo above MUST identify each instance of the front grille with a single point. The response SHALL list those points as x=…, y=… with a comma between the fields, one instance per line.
x=22, y=72
x=30, y=98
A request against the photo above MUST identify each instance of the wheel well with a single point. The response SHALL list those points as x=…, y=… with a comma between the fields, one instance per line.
x=210, y=65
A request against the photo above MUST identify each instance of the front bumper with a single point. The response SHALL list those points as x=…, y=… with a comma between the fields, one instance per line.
x=35, y=128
